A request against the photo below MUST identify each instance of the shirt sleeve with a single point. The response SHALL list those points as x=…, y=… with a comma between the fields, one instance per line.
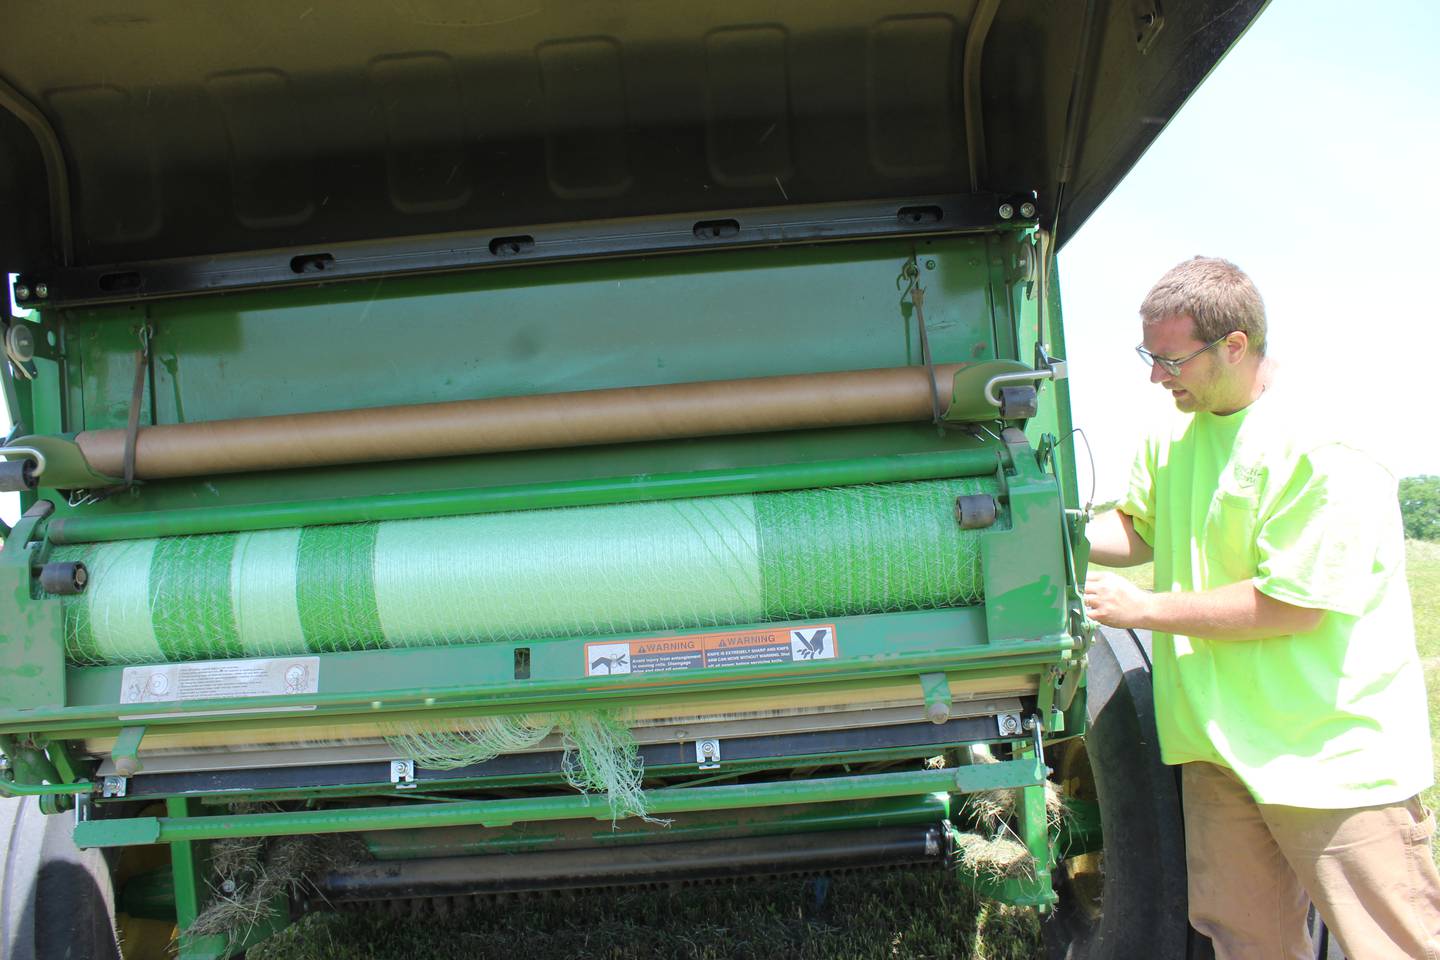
x=1328, y=540
x=1139, y=498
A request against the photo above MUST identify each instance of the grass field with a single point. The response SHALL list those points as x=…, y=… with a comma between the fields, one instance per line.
x=891, y=916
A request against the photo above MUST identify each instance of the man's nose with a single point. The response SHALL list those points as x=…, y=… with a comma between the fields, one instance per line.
x=1157, y=373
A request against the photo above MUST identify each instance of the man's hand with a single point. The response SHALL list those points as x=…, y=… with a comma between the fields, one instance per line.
x=1115, y=601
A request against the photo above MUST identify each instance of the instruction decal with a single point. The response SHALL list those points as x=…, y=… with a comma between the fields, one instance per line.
x=213, y=679
x=741, y=648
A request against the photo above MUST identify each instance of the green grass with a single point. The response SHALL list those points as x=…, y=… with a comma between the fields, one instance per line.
x=889, y=915
x=1422, y=563
x=885, y=916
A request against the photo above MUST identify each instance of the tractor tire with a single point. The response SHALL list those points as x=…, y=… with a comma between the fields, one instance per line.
x=56, y=901
x=1130, y=900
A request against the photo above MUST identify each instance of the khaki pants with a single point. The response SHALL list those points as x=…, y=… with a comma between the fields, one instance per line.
x=1254, y=869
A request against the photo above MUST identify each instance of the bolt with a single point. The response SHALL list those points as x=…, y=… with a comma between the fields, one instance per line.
x=42, y=291
x=228, y=886
x=22, y=292
x=1006, y=211
x=929, y=264
x=1027, y=210
x=4, y=764
x=1009, y=724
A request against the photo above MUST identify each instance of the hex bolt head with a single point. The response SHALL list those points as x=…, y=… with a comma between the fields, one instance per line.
x=1009, y=725
x=4, y=764
x=1007, y=211
x=22, y=292
x=42, y=291
x=1027, y=210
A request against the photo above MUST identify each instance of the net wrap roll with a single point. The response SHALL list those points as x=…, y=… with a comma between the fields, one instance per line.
x=529, y=575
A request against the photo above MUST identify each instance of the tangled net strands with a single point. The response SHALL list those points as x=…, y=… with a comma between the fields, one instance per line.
x=600, y=755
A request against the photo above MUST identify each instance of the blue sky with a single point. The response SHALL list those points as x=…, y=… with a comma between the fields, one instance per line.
x=1309, y=158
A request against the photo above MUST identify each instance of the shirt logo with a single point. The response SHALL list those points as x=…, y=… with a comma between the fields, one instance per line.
x=1247, y=477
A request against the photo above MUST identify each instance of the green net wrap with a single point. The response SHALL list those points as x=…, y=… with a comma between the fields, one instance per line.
x=599, y=753
x=573, y=572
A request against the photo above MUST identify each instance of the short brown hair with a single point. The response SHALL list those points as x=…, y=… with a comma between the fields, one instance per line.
x=1214, y=293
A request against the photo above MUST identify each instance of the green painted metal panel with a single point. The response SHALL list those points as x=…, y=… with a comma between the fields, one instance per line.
x=173, y=829
x=542, y=329
x=30, y=630
x=480, y=678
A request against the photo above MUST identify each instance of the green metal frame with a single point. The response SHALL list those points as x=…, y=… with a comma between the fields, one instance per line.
x=851, y=309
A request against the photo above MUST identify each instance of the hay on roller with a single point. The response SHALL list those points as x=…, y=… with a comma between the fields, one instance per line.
x=253, y=873
x=527, y=575
x=992, y=808
x=994, y=858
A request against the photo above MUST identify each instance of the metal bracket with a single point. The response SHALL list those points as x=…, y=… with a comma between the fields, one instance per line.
x=1070, y=683
x=402, y=774
x=1008, y=724
x=1149, y=19
x=113, y=787
x=707, y=753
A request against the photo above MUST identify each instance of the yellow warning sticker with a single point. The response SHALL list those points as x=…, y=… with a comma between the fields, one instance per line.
x=788, y=644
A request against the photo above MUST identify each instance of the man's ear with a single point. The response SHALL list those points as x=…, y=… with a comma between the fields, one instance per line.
x=1236, y=346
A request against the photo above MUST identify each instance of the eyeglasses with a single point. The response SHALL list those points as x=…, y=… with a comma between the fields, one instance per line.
x=1172, y=367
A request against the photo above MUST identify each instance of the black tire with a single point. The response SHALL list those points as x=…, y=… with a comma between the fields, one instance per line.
x=56, y=901
x=1136, y=906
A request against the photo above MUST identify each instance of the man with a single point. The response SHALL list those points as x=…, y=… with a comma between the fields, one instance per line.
x=1286, y=679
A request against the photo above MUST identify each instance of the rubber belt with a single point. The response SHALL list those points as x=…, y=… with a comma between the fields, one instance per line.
x=917, y=297
x=137, y=393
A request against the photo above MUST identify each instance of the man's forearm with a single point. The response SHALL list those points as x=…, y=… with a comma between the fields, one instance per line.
x=1114, y=542
x=1234, y=612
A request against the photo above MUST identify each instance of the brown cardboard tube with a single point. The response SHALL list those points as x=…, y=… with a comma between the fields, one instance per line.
x=583, y=418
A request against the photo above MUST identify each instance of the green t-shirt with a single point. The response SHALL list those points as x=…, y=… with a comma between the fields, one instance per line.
x=1333, y=718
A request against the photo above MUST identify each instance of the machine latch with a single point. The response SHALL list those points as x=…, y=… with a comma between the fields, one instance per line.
x=402, y=774
x=707, y=753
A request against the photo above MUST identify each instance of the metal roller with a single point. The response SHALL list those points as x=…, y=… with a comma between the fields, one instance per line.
x=17, y=476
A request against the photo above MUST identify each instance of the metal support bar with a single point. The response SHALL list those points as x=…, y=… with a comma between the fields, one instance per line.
x=519, y=244
x=975, y=36
x=688, y=860
x=966, y=462
x=185, y=862
x=186, y=828
x=53, y=155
